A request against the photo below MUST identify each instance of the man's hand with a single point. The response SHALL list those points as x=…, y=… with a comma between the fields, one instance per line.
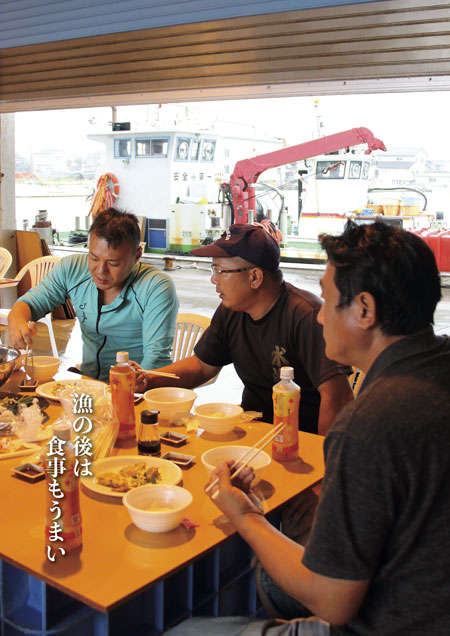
x=21, y=333
x=141, y=379
x=235, y=499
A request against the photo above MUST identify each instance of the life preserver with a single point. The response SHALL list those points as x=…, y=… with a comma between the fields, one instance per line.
x=115, y=181
x=271, y=229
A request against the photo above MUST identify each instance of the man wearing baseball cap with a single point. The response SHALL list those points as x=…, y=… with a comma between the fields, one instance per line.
x=261, y=325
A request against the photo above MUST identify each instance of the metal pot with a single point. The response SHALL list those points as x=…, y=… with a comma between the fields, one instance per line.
x=8, y=357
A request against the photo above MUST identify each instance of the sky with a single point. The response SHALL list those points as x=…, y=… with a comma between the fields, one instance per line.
x=399, y=120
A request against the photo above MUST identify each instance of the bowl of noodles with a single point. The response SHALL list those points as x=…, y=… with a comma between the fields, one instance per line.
x=218, y=418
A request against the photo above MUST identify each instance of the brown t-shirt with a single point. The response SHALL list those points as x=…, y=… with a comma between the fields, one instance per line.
x=288, y=335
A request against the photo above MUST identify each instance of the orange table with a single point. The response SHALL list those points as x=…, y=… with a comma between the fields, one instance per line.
x=118, y=561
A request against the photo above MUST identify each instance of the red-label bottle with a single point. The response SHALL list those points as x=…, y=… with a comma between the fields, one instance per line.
x=286, y=401
x=122, y=379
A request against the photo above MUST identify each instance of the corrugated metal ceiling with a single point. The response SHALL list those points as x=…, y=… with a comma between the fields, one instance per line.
x=24, y=22
x=392, y=40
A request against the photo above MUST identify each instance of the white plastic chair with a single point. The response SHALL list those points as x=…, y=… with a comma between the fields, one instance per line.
x=188, y=330
x=38, y=268
x=5, y=261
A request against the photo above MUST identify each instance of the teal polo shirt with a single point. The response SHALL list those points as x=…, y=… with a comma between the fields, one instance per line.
x=141, y=320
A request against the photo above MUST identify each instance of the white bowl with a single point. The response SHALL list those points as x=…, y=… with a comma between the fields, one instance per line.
x=43, y=368
x=218, y=418
x=169, y=400
x=215, y=456
x=139, y=502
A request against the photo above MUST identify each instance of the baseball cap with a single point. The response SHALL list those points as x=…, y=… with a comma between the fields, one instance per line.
x=250, y=242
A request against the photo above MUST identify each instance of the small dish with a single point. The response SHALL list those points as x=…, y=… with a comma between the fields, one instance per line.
x=28, y=386
x=174, y=439
x=178, y=458
x=29, y=472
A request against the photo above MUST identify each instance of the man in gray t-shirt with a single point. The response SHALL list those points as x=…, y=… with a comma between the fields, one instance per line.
x=375, y=562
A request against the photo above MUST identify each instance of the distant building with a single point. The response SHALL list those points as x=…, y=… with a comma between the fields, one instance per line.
x=436, y=175
x=399, y=166
x=50, y=163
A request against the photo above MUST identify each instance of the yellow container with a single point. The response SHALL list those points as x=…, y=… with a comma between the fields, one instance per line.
x=409, y=210
x=391, y=210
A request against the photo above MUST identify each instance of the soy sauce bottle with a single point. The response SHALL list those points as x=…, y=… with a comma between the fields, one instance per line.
x=148, y=441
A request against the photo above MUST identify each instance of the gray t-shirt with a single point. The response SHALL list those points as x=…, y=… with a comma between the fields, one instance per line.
x=384, y=512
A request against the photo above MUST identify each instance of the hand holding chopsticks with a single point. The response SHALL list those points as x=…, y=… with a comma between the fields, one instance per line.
x=250, y=455
x=142, y=376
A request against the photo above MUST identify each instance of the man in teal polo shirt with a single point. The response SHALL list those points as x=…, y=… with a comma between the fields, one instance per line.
x=121, y=303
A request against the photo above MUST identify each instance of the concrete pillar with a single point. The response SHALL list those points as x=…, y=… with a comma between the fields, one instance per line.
x=8, y=198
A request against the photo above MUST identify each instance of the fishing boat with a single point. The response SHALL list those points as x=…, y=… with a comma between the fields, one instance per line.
x=176, y=178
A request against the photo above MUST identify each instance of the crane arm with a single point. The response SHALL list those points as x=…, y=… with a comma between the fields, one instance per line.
x=247, y=171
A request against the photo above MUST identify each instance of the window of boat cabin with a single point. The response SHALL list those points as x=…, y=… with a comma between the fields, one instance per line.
x=195, y=149
x=122, y=147
x=355, y=170
x=208, y=150
x=330, y=169
x=182, y=148
x=365, y=170
x=152, y=147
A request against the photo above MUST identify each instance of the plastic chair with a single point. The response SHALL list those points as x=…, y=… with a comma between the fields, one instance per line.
x=188, y=329
x=5, y=261
x=38, y=268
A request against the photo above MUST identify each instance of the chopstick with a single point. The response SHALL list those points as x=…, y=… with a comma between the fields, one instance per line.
x=163, y=374
x=250, y=455
x=28, y=353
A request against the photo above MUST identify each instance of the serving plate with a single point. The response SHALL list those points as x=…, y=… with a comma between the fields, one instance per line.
x=14, y=401
x=170, y=474
x=49, y=390
x=11, y=402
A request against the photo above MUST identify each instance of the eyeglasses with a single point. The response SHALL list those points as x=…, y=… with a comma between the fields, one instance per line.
x=217, y=272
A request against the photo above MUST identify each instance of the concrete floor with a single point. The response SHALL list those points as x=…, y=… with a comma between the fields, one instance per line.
x=197, y=295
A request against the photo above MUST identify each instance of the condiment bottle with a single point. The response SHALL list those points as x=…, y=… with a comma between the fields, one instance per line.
x=62, y=494
x=286, y=400
x=121, y=379
x=148, y=441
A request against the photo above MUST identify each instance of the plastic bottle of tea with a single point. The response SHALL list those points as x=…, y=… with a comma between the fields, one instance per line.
x=286, y=400
x=122, y=379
